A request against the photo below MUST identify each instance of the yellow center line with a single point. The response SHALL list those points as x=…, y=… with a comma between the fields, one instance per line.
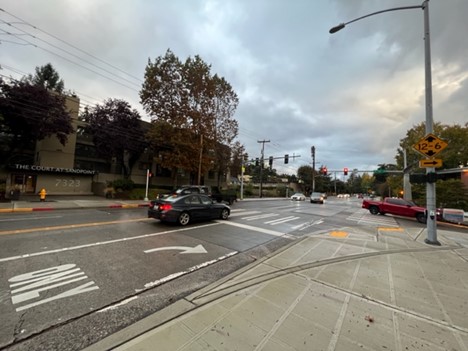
x=71, y=226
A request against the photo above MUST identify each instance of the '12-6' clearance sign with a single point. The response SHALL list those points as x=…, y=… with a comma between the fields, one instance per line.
x=430, y=145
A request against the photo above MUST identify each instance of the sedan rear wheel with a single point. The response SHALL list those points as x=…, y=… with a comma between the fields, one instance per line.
x=184, y=218
x=224, y=213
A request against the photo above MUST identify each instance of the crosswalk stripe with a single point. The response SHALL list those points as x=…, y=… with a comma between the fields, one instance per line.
x=364, y=217
x=260, y=230
x=243, y=213
x=282, y=220
x=267, y=215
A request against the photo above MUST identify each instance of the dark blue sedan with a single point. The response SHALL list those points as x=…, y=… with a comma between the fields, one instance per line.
x=187, y=208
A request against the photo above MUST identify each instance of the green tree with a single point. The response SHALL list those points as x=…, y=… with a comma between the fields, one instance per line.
x=46, y=76
x=304, y=173
x=454, y=155
x=450, y=192
x=367, y=182
x=238, y=152
x=199, y=109
x=117, y=132
x=29, y=113
x=354, y=183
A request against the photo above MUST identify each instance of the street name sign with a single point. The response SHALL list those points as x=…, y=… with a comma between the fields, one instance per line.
x=430, y=145
x=430, y=162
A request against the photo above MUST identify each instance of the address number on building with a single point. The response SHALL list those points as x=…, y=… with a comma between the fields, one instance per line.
x=70, y=183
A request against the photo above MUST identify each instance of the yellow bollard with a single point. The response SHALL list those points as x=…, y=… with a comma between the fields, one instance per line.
x=42, y=194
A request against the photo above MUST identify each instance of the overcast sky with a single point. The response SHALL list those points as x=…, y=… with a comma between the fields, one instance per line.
x=353, y=94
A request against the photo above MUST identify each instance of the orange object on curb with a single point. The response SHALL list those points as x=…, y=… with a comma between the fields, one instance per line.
x=42, y=194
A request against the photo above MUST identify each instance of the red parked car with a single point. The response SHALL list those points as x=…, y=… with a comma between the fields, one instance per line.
x=398, y=207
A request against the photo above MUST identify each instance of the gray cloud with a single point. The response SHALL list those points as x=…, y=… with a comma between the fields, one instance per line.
x=353, y=94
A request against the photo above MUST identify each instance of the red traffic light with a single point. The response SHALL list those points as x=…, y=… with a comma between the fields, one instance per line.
x=345, y=170
x=324, y=170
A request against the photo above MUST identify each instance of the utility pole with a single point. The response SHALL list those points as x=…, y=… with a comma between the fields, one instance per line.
x=242, y=176
x=261, y=164
x=312, y=150
x=407, y=195
x=200, y=160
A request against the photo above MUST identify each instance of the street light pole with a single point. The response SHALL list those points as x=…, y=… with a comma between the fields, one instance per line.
x=312, y=150
x=430, y=187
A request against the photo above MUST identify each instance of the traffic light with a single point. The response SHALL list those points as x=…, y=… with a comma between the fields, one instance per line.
x=417, y=178
x=150, y=174
x=270, y=162
x=345, y=171
x=286, y=158
x=257, y=161
x=324, y=170
x=431, y=177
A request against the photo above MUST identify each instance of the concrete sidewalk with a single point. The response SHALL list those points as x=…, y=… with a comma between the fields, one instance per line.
x=346, y=290
x=32, y=203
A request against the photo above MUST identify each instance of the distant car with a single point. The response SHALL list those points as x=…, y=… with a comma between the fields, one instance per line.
x=316, y=198
x=298, y=197
x=187, y=208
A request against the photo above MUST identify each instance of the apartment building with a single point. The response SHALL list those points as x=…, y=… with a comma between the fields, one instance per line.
x=76, y=168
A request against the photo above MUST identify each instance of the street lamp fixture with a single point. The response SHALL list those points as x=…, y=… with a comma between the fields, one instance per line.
x=430, y=187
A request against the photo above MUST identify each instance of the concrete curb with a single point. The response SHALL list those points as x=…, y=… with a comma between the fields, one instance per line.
x=33, y=209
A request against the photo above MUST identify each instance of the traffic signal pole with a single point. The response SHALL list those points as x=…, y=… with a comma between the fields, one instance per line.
x=312, y=150
x=261, y=164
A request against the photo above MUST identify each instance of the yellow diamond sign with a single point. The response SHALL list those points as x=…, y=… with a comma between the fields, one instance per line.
x=430, y=145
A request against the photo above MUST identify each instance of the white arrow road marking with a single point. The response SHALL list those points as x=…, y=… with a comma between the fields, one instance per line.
x=71, y=248
x=184, y=249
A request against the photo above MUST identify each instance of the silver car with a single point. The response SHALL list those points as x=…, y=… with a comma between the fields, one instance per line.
x=298, y=197
x=316, y=198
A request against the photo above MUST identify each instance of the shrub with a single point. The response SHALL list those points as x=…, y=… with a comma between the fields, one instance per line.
x=123, y=184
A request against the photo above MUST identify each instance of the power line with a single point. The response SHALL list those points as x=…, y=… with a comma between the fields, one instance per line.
x=68, y=52
x=71, y=61
x=71, y=45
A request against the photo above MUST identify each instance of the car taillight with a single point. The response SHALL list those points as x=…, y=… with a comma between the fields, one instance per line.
x=165, y=207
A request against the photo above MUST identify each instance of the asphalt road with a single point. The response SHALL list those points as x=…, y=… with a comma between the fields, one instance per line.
x=70, y=278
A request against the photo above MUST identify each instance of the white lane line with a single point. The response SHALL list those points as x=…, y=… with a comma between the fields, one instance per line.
x=257, y=229
x=282, y=220
x=189, y=270
x=101, y=243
